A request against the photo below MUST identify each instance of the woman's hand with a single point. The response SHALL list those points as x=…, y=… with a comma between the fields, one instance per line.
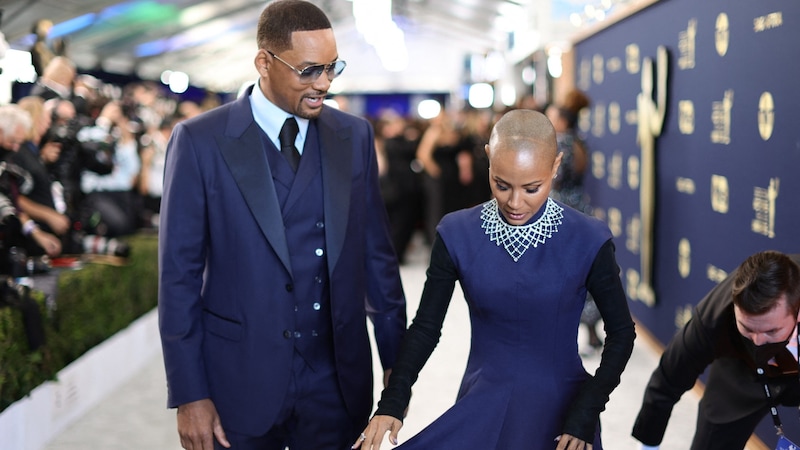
x=373, y=435
x=569, y=442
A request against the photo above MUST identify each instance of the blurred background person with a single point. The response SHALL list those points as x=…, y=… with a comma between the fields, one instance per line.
x=44, y=201
x=109, y=207
x=56, y=80
x=153, y=156
x=447, y=163
x=568, y=184
x=401, y=181
x=18, y=230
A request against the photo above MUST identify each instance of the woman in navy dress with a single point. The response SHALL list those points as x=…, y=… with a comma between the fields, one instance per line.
x=525, y=264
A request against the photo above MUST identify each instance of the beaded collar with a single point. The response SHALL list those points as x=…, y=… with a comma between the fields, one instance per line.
x=516, y=239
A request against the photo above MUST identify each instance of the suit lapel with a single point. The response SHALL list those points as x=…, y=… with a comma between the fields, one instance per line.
x=336, y=151
x=244, y=153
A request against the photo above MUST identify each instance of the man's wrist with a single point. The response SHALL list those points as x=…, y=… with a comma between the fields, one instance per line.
x=29, y=227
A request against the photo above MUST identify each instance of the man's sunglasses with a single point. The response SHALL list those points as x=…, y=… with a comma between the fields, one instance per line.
x=311, y=73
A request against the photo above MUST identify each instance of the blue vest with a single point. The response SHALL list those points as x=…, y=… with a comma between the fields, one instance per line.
x=301, y=201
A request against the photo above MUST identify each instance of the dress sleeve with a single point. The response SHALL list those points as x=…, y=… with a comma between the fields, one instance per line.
x=423, y=334
x=606, y=288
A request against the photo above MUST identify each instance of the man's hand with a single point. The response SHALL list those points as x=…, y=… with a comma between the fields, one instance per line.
x=199, y=425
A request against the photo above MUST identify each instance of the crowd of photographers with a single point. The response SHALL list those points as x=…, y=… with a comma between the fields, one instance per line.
x=81, y=166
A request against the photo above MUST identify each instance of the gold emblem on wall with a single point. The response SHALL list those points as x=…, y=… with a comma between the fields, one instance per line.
x=768, y=22
x=683, y=315
x=615, y=170
x=585, y=120
x=686, y=116
x=615, y=221
x=684, y=258
x=721, y=119
x=722, y=34
x=686, y=46
x=614, y=64
x=598, y=165
x=766, y=115
x=634, y=234
x=715, y=274
x=597, y=69
x=599, y=122
x=585, y=74
x=632, y=64
x=633, y=172
x=685, y=185
x=764, y=208
x=720, y=194
x=614, y=118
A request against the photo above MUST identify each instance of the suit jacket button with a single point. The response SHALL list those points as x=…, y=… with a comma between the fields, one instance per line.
x=287, y=334
x=289, y=287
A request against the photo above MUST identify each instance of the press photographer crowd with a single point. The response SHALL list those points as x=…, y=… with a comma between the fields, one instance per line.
x=81, y=165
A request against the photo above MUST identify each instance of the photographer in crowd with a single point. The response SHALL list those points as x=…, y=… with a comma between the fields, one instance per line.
x=109, y=207
x=44, y=203
x=16, y=227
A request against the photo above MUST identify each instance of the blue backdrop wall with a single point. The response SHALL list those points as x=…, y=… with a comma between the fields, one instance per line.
x=727, y=158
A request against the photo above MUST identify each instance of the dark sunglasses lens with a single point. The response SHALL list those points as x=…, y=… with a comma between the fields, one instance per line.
x=311, y=73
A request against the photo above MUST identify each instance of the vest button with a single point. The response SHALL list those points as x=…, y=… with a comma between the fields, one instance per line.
x=316, y=306
x=318, y=252
x=289, y=287
x=320, y=224
x=287, y=334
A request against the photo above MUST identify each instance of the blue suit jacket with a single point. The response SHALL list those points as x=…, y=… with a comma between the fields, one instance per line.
x=225, y=272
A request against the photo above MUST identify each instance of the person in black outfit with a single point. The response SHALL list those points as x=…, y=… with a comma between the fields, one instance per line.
x=746, y=324
x=401, y=182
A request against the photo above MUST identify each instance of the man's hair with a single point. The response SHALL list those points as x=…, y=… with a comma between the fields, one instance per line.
x=281, y=18
x=13, y=116
x=761, y=280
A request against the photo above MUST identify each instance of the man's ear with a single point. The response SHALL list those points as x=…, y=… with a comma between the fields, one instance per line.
x=262, y=62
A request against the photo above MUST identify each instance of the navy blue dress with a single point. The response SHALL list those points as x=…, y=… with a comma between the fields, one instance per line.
x=524, y=383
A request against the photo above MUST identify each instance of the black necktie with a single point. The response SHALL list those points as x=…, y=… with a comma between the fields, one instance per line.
x=287, y=136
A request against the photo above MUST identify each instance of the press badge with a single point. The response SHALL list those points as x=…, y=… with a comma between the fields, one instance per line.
x=786, y=444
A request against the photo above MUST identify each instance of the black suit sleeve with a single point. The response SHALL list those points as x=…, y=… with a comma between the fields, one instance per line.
x=686, y=357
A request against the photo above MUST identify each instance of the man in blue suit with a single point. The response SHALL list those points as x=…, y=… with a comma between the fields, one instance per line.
x=269, y=267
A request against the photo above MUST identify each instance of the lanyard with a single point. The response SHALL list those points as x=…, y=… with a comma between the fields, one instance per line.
x=773, y=407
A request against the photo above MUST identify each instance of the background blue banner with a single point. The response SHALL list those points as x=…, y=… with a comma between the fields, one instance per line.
x=727, y=157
